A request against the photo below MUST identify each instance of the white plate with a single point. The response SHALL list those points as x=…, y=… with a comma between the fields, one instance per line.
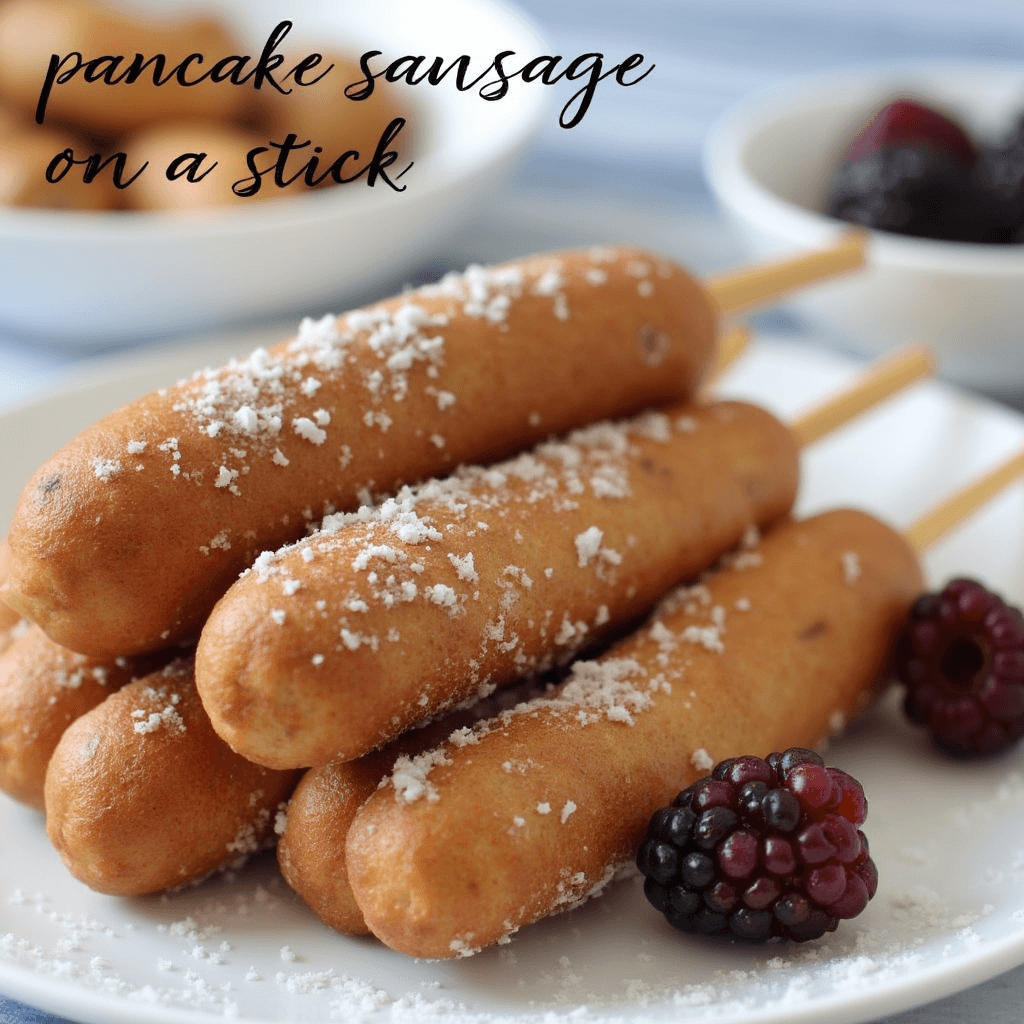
x=947, y=837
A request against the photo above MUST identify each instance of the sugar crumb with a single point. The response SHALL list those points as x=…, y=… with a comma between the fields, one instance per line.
x=851, y=567
x=308, y=430
x=702, y=760
x=105, y=469
x=588, y=544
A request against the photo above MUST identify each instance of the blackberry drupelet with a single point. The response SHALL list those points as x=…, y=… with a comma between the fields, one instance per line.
x=961, y=658
x=761, y=848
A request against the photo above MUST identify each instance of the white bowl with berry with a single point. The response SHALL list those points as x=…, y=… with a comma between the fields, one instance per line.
x=930, y=160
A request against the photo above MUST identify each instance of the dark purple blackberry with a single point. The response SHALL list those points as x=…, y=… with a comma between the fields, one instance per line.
x=911, y=170
x=761, y=848
x=961, y=658
x=918, y=192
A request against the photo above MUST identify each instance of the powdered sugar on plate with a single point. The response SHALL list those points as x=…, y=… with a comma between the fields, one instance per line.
x=242, y=947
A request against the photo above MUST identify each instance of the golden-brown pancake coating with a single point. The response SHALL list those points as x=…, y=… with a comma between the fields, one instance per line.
x=533, y=812
x=123, y=541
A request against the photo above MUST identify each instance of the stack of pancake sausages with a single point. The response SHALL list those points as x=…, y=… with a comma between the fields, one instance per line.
x=326, y=565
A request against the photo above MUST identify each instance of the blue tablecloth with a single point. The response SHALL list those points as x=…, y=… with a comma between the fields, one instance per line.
x=632, y=168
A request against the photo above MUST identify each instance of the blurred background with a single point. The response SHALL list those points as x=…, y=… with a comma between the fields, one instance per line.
x=630, y=170
x=709, y=55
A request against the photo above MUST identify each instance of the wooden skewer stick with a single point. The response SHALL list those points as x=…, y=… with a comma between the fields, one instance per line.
x=742, y=290
x=732, y=344
x=935, y=524
x=882, y=379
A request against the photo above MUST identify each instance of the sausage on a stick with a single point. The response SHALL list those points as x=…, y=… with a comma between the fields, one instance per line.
x=536, y=810
x=124, y=540
x=142, y=796
x=386, y=617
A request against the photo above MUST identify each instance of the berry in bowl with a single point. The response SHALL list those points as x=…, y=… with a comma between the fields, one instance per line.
x=915, y=171
x=913, y=153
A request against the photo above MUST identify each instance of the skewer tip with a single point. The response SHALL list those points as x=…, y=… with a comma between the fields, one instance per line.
x=755, y=286
x=883, y=379
x=934, y=525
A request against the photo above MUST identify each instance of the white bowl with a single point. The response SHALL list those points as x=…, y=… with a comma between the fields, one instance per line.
x=82, y=279
x=768, y=161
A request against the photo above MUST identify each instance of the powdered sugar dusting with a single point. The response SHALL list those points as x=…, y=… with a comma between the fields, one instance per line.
x=702, y=760
x=588, y=545
x=74, y=670
x=105, y=469
x=613, y=688
x=410, y=776
x=355, y=369
x=159, y=711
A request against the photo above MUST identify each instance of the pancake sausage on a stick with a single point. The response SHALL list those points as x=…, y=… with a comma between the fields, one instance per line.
x=142, y=796
x=125, y=539
x=43, y=688
x=534, y=811
x=388, y=616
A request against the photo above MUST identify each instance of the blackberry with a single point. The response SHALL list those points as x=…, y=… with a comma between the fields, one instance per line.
x=919, y=192
x=912, y=171
x=960, y=656
x=761, y=848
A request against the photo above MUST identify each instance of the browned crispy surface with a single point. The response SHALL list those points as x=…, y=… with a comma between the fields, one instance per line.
x=492, y=835
x=142, y=796
x=124, y=540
